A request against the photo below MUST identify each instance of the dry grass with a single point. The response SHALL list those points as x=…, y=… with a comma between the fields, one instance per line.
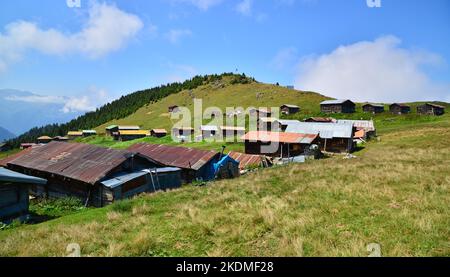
x=395, y=193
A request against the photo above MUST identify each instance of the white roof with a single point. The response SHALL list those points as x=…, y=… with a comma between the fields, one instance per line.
x=208, y=128
x=330, y=102
x=287, y=121
x=366, y=124
x=325, y=130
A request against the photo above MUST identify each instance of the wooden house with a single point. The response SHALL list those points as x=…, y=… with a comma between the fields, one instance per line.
x=78, y=170
x=74, y=134
x=399, y=108
x=430, y=109
x=261, y=112
x=277, y=144
x=232, y=131
x=158, y=133
x=60, y=138
x=128, y=135
x=183, y=131
x=26, y=145
x=337, y=106
x=373, y=108
x=44, y=139
x=14, y=198
x=287, y=109
x=88, y=133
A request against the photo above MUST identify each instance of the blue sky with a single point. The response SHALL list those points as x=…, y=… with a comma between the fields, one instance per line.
x=342, y=48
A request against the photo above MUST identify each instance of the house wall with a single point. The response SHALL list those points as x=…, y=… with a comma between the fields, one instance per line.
x=291, y=150
x=337, y=145
x=338, y=108
x=372, y=109
x=395, y=109
x=429, y=110
x=13, y=200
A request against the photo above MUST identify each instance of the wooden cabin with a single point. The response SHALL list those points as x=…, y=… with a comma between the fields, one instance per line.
x=277, y=144
x=287, y=109
x=88, y=133
x=44, y=139
x=14, y=198
x=158, y=133
x=337, y=106
x=128, y=135
x=373, y=108
x=74, y=135
x=261, y=112
x=232, y=131
x=399, y=108
x=430, y=109
x=183, y=131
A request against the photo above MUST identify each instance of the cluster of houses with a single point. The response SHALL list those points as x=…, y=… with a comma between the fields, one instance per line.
x=347, y=106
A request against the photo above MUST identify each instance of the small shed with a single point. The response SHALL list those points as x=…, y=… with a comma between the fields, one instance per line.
x=430, y=109
x=159, y=133
x=183, y=131
x=27, y=145
x=226, y=168
x=209, y=131
x=277, y=144
x=125, y=185
x=60, y=138
x=397, y=108
x=4, y=147
x=14, y=198
x=248, y=161
x=232, y=131
x=289, y=109
x=111, y=129
x=173, y=109
x=131, y=135
x=88, y=133
x=44, y=139
x=338, y=106
x=373, y=108
x=74, y=134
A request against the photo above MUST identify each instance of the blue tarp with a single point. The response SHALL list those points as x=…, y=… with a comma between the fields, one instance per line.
x=225, y=160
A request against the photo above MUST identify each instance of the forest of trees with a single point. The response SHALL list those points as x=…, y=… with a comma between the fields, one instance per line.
x=121, y=108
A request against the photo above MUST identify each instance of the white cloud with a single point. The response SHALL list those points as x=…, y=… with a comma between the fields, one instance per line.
x=107, y=29
x=81, y=104
x=245, y=7
x=284, y=58
x=45, y=99
x=175, y=35
x=201, y=4
x=379, y=71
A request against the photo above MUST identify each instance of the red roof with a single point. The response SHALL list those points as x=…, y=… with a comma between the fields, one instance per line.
x=182, y=157
x=266, y=136
x=246, y=160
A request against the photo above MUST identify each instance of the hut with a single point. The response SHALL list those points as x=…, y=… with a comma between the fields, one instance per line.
x=430, y=109
x=44, y=139
x=333, y=137
x=60, y=138
x=77, y=170
x=14, y=198
x=4, y=147
x=277, y=144
x=337, y=106
x=248, y=161
x=26, y=145
x=320, y=119
x=232, y=131
x=158, y=133
x=373, y=108
x=74, y=134
x=367, y=126
x=88, y=133
x=183, y=131
x=130, y=135
x=196, y=164
x=111, y=129
x=173, y=109
x=125, y=185
x=208, y=131
x=397, y=108
x=287, y=109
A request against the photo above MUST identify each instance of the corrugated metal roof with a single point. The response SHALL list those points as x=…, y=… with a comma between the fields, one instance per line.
x=400, y=105
x=247, y=160
x=232, y=128
x=122, y=178
x=325, y=130
x=132, y=127
x=182, y=157
x=435, y=105
x=287, y=137
x=134, y=133
x=320, y=119
x=268, y=119
x=290, y=106
x=286, y=122
x=374, y=105
x=86, y=163
x=367, y=125
x=331, y=102
x=7, y=175
x=209, y=128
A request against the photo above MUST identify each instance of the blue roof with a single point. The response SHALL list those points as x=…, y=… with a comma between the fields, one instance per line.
x=7, y=175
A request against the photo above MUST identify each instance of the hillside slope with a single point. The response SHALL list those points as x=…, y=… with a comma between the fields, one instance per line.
x=5, y=134
x=395, y=193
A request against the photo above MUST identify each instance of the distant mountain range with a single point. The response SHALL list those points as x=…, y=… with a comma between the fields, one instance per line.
x=23, y=110
x=5, y=134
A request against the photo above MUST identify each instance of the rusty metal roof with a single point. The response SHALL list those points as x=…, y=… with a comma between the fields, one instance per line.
x=266, y=136
x=246, y=160
x=83, y=162
x=182, y=157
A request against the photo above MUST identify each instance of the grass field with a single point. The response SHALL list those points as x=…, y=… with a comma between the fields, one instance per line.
x=395, y=193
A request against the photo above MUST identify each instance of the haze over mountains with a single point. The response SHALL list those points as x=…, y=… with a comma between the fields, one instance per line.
x=23, y=110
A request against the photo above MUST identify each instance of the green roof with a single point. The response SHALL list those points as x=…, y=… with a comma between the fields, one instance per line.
x=111, y=127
